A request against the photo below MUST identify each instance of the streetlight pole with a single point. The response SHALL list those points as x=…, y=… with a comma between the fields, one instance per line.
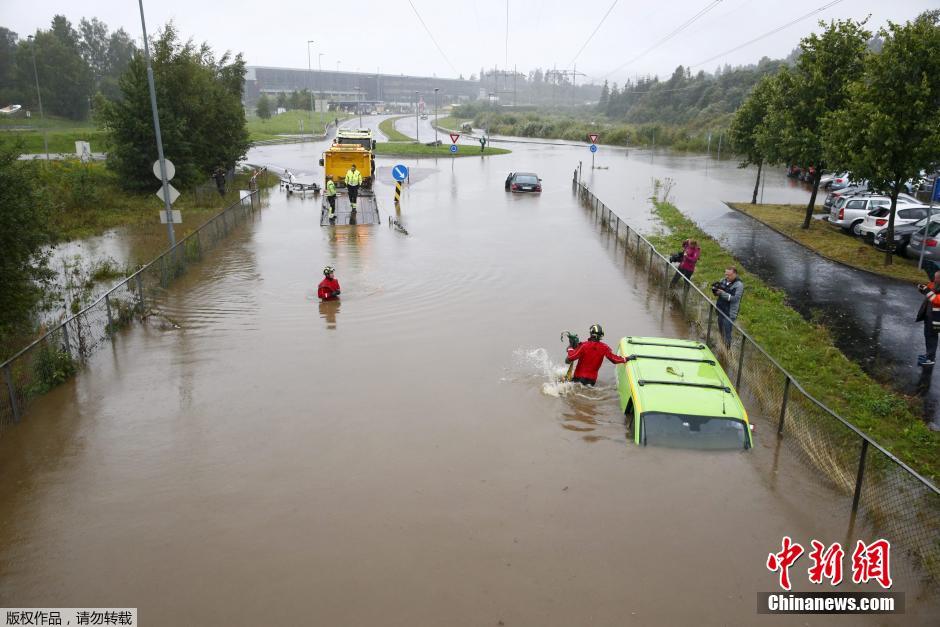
x=359, y=104
x=436, y=89
x=310, y=87
x=417, y=134
x=42, y=117
x=156, y=130
x=320, y=70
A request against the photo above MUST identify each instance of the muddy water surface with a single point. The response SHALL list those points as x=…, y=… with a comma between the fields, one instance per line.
x=395, y=458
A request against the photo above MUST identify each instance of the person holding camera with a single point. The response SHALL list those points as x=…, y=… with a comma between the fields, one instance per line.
x=728, y=293
x=930, y=315
x=687, y=259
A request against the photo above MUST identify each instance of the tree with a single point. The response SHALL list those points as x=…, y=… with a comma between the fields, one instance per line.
x=746, y=125
x=201, y=115
x=282, y=100
x=64, y=77
x=816, y=86
x=890, y=128
x=10, y=92
x=264, y=107
x=605, y=98
x=23, y=236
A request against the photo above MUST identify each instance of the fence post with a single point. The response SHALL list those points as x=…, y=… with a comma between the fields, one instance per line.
x=783, y=406
x=198, y=245
x=860, y=477
x=163, y=268
x=737, y=382
x=65, y=336
x=708, y=327
x=8, y=376
x=107, y=305
x=140, y=293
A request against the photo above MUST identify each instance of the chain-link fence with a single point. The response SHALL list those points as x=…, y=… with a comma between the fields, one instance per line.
x=876, y=487
x=56, y=356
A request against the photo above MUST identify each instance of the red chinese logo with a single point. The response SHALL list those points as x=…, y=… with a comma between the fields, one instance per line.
x=826, y=564
x=869, y=562
x=783, y=560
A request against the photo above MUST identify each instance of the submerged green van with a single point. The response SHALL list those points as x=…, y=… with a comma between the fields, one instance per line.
x=675, y=393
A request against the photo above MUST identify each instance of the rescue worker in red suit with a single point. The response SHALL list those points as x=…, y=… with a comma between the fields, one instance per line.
x=329, y=286
x=590, y=356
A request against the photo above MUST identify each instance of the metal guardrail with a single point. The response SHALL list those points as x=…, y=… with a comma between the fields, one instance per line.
x=878, y=487
x=56, y=355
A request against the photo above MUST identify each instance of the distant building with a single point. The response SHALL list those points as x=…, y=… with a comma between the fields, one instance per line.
x=338, y=89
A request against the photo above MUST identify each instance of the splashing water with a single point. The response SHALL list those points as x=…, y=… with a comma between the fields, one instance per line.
x=536, y=363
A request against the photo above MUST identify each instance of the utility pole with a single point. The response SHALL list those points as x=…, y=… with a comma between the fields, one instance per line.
x=436, y=140
x=156, y=130
x=417, y=135
x=42, y=117
x=310, y=87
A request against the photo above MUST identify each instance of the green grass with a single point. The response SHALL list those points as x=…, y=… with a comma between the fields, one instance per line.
x=420, y=150
x=807, y=351
x=831, y=242
x=288, y=123
x=388, y=127
x=87, y=200
x=61, y=132
x=452, y=123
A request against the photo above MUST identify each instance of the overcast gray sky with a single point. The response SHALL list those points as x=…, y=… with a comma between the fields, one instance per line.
x=389, y=37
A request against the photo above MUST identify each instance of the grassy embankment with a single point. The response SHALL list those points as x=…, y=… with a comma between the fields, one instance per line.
x=420, y=150
x=830, y=242
x=62, y=134
x=85, y=199
x=393, y=134
x=452, y=123
x=692, y=137
x=288, y=123
x=806, y=350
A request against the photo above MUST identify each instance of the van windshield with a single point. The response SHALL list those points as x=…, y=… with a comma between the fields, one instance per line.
x=696, y=432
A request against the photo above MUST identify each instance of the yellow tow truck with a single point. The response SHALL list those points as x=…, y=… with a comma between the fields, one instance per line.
x=336, y=161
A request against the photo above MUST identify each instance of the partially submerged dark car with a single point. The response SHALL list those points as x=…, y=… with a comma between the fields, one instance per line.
x=523, y=182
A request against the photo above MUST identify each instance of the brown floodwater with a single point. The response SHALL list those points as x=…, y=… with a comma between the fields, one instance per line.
x=251, y=456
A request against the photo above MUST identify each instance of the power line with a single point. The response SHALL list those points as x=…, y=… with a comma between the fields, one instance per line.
x=768, y=33
x=672, y=34
x=436, y=45
x=599, y=24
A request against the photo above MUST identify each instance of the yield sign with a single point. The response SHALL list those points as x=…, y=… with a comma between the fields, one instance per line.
x=454, y=137
x=593, y=137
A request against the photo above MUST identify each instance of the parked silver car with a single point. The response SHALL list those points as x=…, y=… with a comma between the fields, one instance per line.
x=929, y=243
x=849, y=211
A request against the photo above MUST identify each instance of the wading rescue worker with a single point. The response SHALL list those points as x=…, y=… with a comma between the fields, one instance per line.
x=728, y=293
x=930, y=314
x=590, y=356
x=331, y=197
x=329, y=286
x=353, y=181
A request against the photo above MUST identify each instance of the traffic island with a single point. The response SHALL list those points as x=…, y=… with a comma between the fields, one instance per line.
x=830, y=242
x=405, y=149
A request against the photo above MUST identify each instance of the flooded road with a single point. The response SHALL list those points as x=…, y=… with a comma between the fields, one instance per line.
x=394, y=458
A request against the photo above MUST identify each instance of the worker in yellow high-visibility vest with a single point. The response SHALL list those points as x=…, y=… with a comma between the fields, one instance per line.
x=331, y=198
x=353, y=181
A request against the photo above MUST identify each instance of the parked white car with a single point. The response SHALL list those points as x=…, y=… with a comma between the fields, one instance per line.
x=849, y=212
x=877, y=219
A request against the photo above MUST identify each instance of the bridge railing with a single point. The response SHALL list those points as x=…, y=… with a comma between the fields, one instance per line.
x=875, y=487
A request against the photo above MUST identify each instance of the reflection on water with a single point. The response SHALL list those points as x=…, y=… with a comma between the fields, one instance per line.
x=329, y=309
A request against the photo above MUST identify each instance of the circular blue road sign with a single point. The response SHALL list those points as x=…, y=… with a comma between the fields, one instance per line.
x=453, y=147
x=593, y=148
x=400, y=172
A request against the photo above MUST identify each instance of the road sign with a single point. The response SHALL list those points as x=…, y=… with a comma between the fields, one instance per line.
x=170, y=170
x=174, y=193
x=177, y=217
x=400, y=172
x=593, y=137
x=453, y=147
x=454, y=137
x=593, y=148
x=936, y=190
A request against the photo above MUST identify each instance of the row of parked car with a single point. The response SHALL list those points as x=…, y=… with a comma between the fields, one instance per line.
x=864, y=213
